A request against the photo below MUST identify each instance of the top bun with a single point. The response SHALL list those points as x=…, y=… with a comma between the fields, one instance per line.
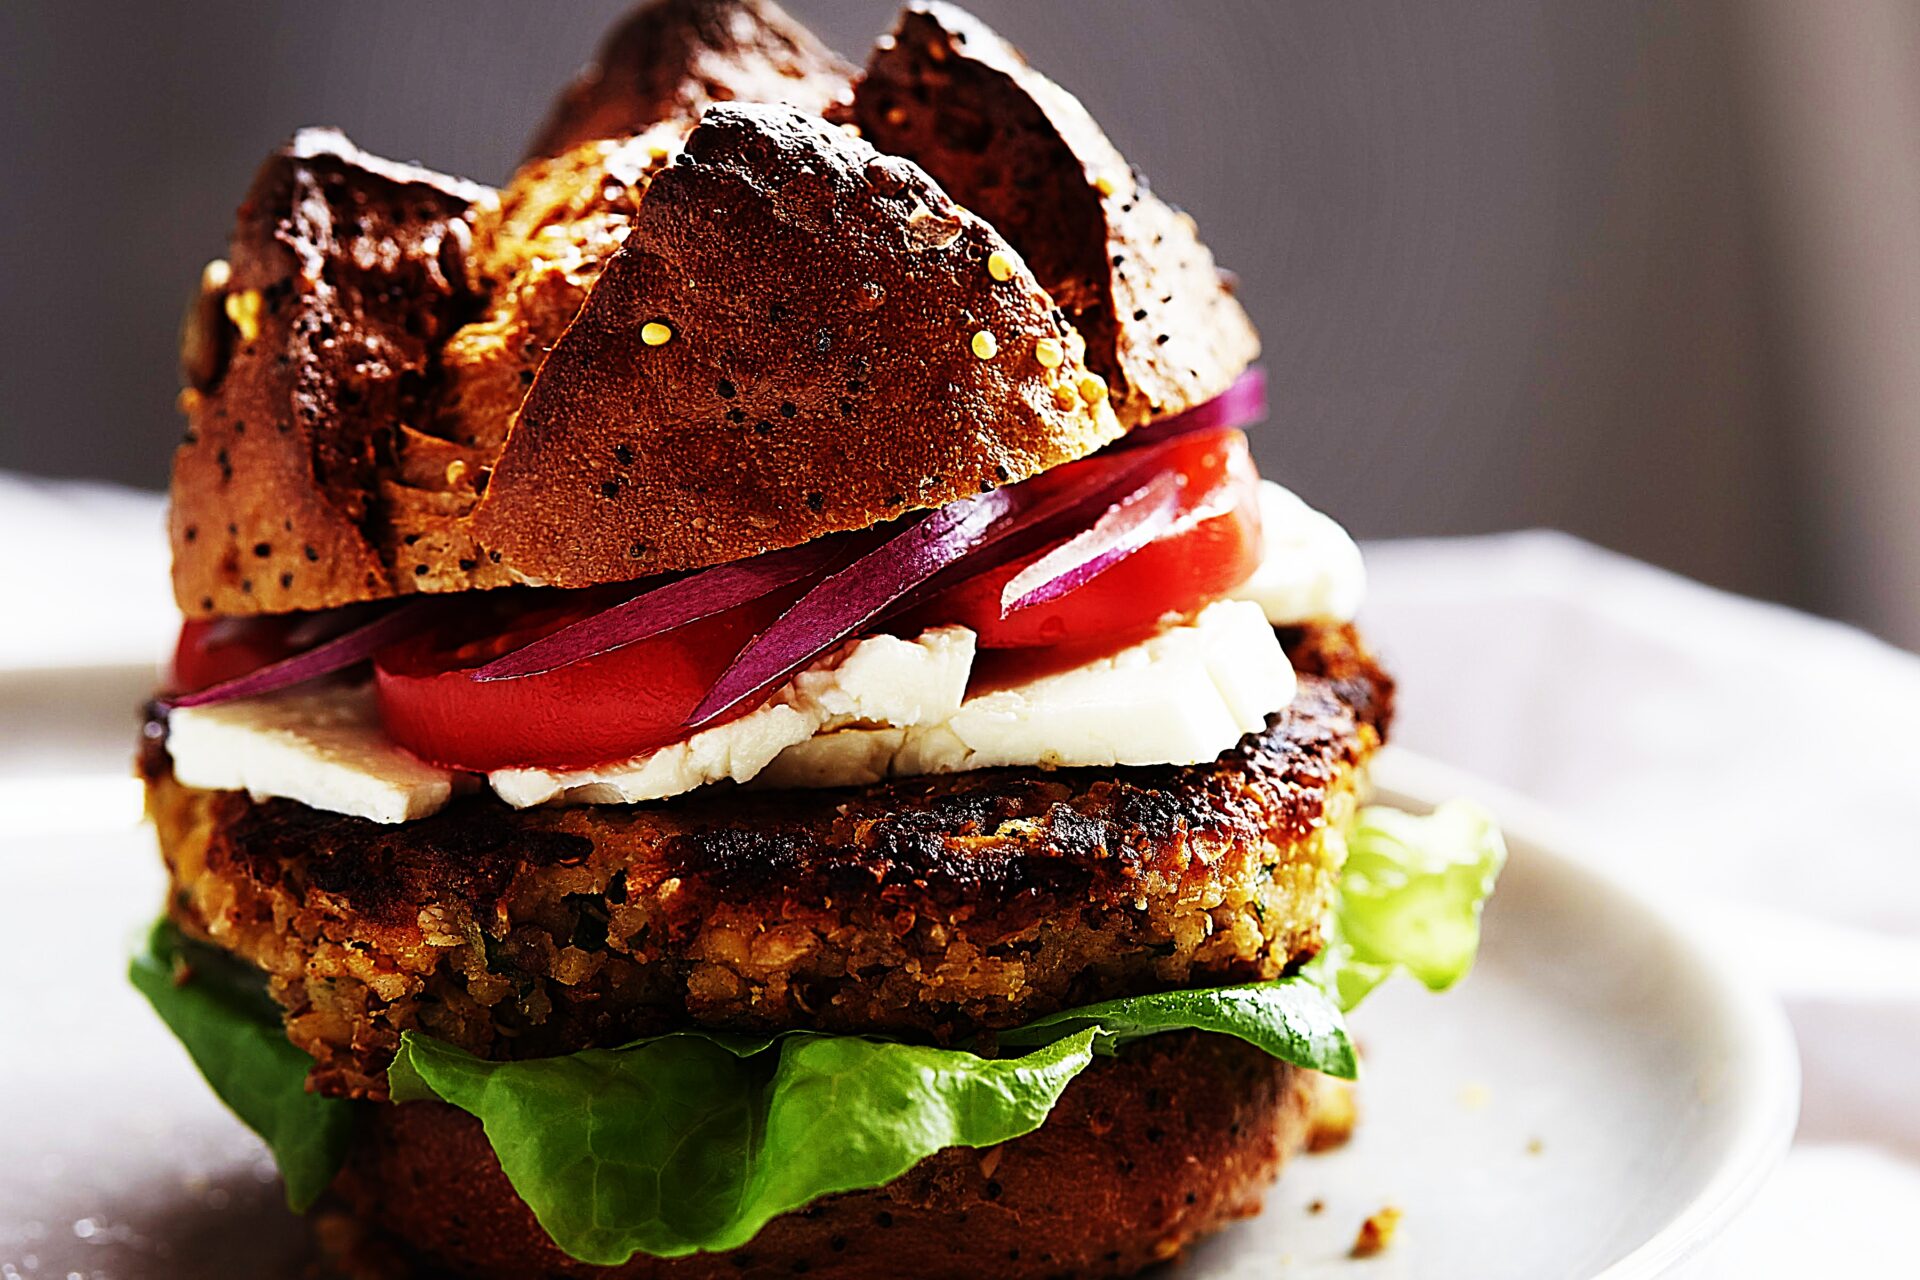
x=948, y=93
x=707, y=404
x=674, y=59
x=696, y=325
x=346, y=273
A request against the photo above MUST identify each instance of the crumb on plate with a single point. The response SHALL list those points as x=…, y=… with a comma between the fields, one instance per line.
x=1376, y=1233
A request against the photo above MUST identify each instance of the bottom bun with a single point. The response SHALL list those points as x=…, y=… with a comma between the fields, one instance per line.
x=1145, y=1152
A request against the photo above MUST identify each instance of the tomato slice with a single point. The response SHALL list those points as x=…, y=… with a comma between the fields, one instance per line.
x=1211, y=547
x=211, y=650
x=605, y=708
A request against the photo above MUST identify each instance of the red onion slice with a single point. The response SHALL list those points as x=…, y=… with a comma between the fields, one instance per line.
x=1043, y=522
x=1240, y=405
x=337, y=654
x=957, y=541
x=845, y=601
x=1121, y=530
x=663, y=608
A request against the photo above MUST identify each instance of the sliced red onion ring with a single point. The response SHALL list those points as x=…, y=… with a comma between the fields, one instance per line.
x=957, y=541
x=845, y=601
x=1046, y=521
x=1240, y=405
x=1121, y=530
x=1022, y=524
x=663, y=608
x=337, y=654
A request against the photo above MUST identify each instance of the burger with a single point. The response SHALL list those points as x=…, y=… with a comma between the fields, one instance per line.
x=743, y=707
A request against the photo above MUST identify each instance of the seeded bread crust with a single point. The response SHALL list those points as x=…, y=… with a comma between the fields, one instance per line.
x=401, y=383
x=678, y=57
x=346, y=271
x=560, y=220
x=799, y=336
x=1160, y=323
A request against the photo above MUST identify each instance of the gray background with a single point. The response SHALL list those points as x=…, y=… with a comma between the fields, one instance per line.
x=1505, y=255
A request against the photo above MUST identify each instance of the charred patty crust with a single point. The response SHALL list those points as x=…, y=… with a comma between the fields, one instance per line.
x=938, y=908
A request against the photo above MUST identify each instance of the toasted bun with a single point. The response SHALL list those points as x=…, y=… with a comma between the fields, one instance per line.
x=561, y=219
x=1144, y=1153
x=825, y=370
x=346, y=271
x=685, y=332
x=677, y=57
x=948, y=93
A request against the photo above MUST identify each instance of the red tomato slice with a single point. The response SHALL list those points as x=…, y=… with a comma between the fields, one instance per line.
x=1210, y=548
x=211, y=650
x=605, y=708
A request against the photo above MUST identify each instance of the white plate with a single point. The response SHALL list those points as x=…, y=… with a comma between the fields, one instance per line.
x=1598, y=1099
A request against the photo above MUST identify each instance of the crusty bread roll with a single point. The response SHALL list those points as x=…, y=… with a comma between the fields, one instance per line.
x=665, y=346
x=785, y=336
x=1161, y=326
x=1144, y=1153
x=799, y=336
x=560, y=220
x=677, y=57
x=347, y=271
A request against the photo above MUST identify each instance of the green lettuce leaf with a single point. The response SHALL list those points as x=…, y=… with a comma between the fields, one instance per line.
x=220, y=1010
x=1290, y=1019
x=683, y=1143
x=1410, y=898
x=692, y=1142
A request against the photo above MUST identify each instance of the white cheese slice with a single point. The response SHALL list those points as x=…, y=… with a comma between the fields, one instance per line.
x=874, y=682
x=323, y=747
x=1180, y=697
x=877, y=707
x=1310, y=569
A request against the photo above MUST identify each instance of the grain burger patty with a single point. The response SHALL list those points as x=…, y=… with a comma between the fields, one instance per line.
x=743, y=707
x=936, y=907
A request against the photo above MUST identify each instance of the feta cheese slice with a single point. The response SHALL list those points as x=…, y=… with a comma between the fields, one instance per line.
x=877, y=707
x=1310, y=568
x=323, y=747
x=878, y=681
x=1179, y=697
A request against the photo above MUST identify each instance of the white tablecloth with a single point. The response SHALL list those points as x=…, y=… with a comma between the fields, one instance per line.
x=1762, y=763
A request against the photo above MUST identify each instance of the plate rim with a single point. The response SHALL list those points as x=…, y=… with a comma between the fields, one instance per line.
x=1768, y=1112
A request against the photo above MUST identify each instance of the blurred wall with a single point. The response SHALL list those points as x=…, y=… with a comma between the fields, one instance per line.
x=1505, y=255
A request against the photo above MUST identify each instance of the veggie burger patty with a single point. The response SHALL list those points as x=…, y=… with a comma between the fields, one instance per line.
x=934, y=908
